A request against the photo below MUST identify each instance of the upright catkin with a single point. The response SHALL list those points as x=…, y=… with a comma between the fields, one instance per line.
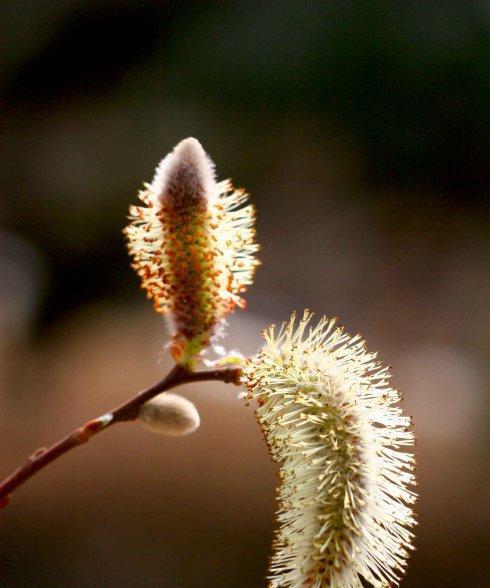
x=193, y=246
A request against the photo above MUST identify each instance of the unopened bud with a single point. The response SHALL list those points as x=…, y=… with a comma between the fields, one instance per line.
x=169, y=414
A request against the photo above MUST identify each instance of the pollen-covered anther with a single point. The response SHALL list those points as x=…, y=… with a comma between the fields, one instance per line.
x=193, y=245
x=330, y=419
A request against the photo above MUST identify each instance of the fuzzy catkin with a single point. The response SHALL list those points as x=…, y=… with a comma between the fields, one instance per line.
x=169, y=414
x=193, y=246
x=330, y=419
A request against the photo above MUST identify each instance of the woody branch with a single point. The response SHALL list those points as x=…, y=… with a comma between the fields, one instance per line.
x=127, y=411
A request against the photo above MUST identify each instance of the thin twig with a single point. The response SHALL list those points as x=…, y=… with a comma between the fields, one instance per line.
x=125, y=412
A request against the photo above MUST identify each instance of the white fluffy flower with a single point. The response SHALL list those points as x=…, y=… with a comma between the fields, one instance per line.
x=330, y=419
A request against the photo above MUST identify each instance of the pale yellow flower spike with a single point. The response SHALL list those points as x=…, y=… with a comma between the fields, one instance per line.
x=331, y=420
x=193, y=246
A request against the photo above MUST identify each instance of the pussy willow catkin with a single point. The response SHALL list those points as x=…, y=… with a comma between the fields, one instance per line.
x=331, y=420
x=169, y=414
x=193, y=246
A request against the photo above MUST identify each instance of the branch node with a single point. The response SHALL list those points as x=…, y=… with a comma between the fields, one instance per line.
x=38, y=453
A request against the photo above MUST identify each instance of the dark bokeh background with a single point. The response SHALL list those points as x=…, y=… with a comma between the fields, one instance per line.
x=362, y=131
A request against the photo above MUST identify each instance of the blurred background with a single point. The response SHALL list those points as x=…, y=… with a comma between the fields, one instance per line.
x=361, y=129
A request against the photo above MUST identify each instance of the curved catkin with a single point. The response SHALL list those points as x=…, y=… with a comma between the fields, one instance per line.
x=193, y=246
x=331, y=420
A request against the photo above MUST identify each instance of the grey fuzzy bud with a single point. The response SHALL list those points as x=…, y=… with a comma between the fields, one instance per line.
x=169, y=414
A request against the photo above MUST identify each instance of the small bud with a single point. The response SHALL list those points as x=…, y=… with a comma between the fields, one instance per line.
x=169, y=414
x=193, y=246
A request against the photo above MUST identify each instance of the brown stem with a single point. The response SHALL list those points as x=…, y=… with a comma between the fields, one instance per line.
x=125, y=412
